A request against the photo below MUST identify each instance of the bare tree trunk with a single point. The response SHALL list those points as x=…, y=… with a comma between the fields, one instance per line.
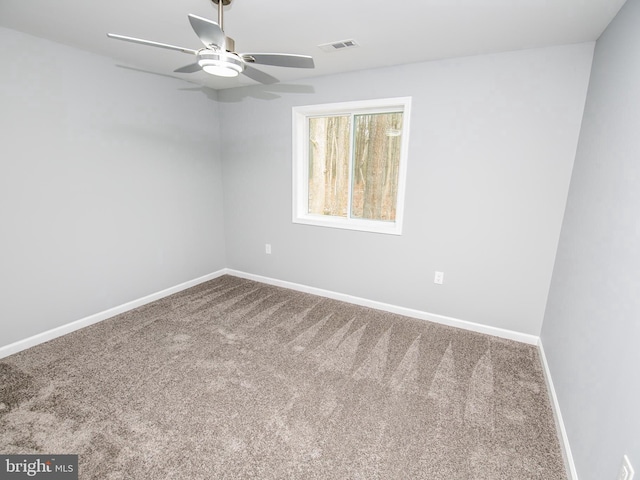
x=329, y=166
x=361, y=154
x=375, y=159
x=317, y=159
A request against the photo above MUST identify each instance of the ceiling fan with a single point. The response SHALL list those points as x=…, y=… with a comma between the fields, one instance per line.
x=218, y=57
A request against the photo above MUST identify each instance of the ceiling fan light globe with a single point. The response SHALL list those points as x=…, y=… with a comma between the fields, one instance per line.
x=221, y=70
x=221, y=64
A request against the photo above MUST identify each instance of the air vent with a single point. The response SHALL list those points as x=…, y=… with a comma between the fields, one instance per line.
x=340, y=45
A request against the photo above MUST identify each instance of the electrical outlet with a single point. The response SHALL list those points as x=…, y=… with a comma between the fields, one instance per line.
x=626, y=470
x=438, y=278
x=267, y=248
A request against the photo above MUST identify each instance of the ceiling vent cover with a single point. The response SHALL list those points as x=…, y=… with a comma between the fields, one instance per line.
x=339, y=45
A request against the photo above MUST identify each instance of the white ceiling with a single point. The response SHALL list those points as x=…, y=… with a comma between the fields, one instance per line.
x=389, y=31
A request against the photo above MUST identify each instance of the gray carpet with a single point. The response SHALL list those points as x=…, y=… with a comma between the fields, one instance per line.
x=235, y=379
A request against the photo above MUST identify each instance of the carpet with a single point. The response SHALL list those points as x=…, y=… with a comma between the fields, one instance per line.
x=235, y=379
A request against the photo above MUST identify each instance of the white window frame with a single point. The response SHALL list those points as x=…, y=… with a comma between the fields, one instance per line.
x=300, y=118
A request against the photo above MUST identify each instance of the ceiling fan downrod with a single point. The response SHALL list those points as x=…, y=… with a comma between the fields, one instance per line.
x=230, y=43
x=221, y=11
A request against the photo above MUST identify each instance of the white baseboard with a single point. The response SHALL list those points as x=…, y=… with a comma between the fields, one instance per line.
x=20, y=345
x=98, y=317
x=562, y=432
x=408, y=312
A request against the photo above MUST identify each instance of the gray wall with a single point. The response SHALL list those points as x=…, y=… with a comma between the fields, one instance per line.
x=592, y=323
x=492, y=146
x=110, y=185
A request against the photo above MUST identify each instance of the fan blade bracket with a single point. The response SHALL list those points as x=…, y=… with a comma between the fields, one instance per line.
x=230, y=44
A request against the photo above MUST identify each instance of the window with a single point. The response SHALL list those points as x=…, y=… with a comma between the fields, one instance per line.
x=349, y=165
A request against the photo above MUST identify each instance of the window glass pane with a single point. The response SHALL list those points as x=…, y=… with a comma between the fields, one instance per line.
x=376, y=163
x=329, y=142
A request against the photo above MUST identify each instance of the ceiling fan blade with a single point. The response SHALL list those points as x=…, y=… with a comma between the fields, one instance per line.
x=279, y=59
x=259, y=76
x=152, y=44
x=191, y=68
x=209, y=32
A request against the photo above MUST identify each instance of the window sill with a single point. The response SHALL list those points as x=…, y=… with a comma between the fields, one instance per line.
x=388, y=228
